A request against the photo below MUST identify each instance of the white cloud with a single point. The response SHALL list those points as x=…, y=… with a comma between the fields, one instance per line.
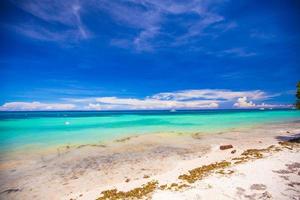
x=150, y=103
x=30, y=106
x=213, y=94
x=93, y=106
x=242, y=102
x=147, y=17
x=155, y=15
x=237, y=52
x=185, y=99
x=265, y=105
x=40, y=33
x=262, y=35
x=57, y=14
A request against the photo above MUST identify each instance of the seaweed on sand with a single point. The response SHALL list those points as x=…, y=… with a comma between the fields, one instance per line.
x=201, y=172
x=125, y=139
x=290, y=144
x=225, y=172
x=251, y=154
x=136, y=193
x=197, y=174
x=174, y=186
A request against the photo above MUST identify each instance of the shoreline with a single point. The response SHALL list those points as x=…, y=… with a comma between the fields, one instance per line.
x=52, y=149
x=82, y=173
x=53, y=132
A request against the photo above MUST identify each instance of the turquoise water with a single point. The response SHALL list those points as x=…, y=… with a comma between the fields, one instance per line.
x=44, y=129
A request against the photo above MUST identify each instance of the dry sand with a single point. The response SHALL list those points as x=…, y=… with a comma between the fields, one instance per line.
x=83, y=172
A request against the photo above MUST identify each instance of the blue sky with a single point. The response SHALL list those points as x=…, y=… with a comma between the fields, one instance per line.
x=148, y=54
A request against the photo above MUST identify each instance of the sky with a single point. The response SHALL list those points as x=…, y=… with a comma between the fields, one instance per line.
x=148, y=54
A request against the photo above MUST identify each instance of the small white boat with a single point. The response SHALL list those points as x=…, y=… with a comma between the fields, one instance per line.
x=67, y=123
x=172, y=110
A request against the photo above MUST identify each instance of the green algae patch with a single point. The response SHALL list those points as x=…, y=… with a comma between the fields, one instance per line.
x=136, y=193
x=203, y=171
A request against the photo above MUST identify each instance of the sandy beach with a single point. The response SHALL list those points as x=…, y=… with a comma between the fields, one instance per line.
x=260, y=165
x=150, y=100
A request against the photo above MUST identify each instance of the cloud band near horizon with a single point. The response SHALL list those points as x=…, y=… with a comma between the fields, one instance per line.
x=185, y=99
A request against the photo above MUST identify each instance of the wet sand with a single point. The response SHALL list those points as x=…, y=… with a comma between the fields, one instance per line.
x=84, y=171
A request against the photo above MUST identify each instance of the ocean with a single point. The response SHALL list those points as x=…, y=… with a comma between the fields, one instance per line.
x=19, y=130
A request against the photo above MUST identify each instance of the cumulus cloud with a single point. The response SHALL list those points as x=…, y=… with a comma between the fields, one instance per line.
x=242, y=102
x=213, y=94
x=150, y=103
x=31, y=106
x=184, y=99
x=98, y=106
x=265, y=105
x=94, y=106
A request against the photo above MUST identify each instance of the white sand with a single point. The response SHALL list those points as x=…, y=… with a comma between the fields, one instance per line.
x=83, y=172
x=269, y=178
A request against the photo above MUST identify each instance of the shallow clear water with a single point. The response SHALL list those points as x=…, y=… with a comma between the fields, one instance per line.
x=44, y=129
